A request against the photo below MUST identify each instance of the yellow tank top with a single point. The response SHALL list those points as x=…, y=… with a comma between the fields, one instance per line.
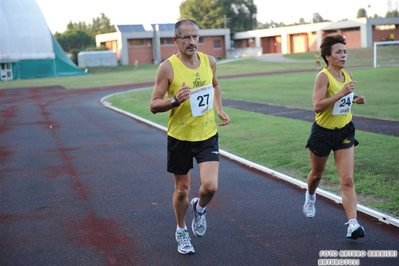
x=326, y=118
x=188, y=122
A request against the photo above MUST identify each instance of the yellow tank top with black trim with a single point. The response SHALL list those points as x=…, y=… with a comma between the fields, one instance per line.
x=326, y=118
x=182, y=124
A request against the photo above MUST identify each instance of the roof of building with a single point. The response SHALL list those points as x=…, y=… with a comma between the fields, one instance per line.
x=143, y=28
x=130, y=28
x=24, y=33
x=165, y=27
x=345, y=24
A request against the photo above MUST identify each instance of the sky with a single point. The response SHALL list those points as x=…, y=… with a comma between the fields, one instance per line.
x=58, y=13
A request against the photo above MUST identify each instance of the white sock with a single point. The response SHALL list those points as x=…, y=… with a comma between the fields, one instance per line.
x=199, y=209
x=179, y=230
x=311, y=197
x=353, y=220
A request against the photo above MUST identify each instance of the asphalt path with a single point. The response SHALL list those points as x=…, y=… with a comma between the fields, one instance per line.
x=81, y=184
x=379, y=126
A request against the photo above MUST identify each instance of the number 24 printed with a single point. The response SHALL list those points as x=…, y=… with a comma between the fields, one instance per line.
x=344, y=102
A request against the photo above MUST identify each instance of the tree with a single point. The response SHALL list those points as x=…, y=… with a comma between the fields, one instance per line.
x=392, y=14
x=361, y=13
x=242, y=14
x=81, y=36
x=271, y=24
x=74, y=39
x=100, y=25
x=207, y=13
x=317, y=18
x=77, y=26
x=212, y=14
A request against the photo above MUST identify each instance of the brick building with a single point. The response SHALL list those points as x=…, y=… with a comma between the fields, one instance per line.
x=153, y=43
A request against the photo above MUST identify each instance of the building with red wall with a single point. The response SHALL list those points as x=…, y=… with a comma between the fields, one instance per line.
x=360, y=33
x=153, y=43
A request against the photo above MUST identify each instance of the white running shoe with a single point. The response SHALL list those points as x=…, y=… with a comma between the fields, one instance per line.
x=309, y=210
x=355, y=230
x=198, y=225
x=184, y=243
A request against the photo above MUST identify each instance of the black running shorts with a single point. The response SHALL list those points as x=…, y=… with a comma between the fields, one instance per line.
x=322, y=140
x=181, y=153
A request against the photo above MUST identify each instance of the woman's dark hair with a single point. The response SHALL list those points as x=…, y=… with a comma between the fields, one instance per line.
x=180, y=22
x=327, y=44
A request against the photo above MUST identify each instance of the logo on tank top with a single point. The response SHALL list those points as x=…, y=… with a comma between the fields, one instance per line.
x=198, y=82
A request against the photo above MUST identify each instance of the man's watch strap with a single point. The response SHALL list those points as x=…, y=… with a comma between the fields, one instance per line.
x=175, y=102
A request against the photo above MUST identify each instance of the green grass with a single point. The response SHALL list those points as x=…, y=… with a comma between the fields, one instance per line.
x=102, y=77
x=277, y=142
x=99, y=77
x=380, y=87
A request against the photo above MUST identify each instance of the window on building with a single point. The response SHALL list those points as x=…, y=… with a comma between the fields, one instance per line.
x=166, y=41
x=139, y=42
x=385, y=27
x=239, y=44
x=217, y=44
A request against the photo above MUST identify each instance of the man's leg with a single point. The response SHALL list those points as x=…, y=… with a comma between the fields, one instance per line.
x=209, y=172
x=180, y=198
x=180, y=205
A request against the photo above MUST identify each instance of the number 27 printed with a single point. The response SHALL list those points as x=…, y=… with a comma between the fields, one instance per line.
x=203, y=100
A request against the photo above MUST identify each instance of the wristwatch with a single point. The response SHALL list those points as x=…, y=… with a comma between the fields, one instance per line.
x=175, y=102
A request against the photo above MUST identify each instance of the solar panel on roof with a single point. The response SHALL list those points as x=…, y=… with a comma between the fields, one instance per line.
x=131, y=28
x=141, y=28
x=164, y=27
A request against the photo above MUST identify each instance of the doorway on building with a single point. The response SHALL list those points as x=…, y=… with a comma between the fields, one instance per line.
x=6, y=71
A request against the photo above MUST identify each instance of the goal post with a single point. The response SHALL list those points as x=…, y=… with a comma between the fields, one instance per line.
x=386, y=53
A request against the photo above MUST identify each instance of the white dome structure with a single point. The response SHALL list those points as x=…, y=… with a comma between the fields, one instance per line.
x=27, y=47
